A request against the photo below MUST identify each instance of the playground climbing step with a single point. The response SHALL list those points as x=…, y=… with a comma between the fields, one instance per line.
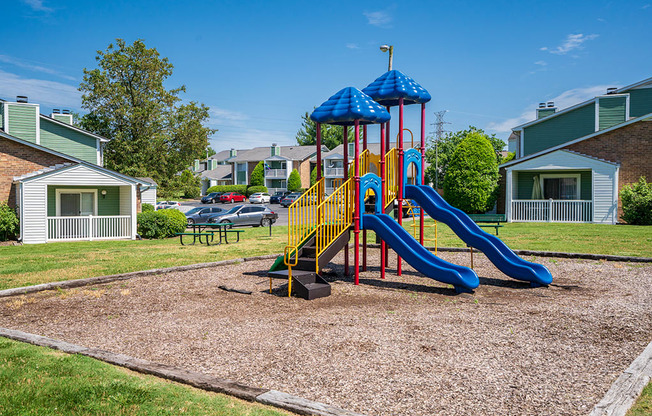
x=305, y=284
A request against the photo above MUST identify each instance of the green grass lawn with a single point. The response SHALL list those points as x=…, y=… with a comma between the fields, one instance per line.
x=33, y=264
x=643, y=406
x=40, y=381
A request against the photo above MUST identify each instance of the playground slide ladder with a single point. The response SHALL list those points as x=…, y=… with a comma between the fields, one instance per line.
x=336, y=215
x=391, y=178
x=302, y=215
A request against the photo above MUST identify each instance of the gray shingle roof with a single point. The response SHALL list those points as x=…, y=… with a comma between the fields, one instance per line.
x=290, y=152
x=221, y=172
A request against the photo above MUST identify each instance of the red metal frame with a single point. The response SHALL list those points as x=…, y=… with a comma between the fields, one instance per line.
x=400, y=174
x=383, y=150
x=364, y=232
x=345, y=142
x=356, y=202
x=423, y=158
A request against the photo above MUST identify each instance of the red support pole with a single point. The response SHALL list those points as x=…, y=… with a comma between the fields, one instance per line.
x=400, y=174
x=387, y=147
x=383, y=259
x=318, y=152
x=363, y=209
x=356, y=202
x=423, y=170
x=345, y=141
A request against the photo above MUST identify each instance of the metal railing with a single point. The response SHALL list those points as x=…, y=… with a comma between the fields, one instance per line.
x=89, y=227
x=276, y=173
x=337, y=171
x=552, y=210
x=391, y=177
x=335, y=215
x=302, y=214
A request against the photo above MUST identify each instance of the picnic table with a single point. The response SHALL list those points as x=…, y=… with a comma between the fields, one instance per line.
x=207, y=231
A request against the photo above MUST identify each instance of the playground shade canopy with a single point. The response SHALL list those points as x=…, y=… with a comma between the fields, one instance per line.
x=392, y=85
x=348, y=106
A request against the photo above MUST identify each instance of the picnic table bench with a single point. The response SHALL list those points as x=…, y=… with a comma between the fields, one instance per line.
x=208, y=231
x=488, y=220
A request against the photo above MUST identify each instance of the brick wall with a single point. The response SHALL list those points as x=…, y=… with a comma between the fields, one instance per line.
x=304, y=172
x=631, y=146
x=18, y=159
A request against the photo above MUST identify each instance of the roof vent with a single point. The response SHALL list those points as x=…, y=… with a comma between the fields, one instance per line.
x=551, y=104
x=542, y=105
x=56, y=111
x=21, y=98
x=65, y=111
x=612, y=90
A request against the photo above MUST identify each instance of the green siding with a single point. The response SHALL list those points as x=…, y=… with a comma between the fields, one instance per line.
x=525, y=181
x=65, y=140
x=22, y=121
x=2, y=116
x=612, y=111
x=64, y=118
x=545, y=112
x=109, y=205
x=640, y=102
x=559, y=129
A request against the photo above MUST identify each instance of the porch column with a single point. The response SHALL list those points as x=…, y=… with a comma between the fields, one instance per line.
x=134, y=216
x=508, y=195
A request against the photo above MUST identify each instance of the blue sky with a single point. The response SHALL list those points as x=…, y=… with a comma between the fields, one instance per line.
x=259, y=65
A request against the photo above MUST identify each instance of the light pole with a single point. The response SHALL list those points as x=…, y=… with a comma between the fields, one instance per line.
x=389, y=48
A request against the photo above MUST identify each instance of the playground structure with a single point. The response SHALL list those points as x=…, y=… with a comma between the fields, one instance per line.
x=320, y=226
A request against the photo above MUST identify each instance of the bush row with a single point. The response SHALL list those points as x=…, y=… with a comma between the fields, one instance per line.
x=637, y=202
x=161, y=224
x=243, y=189
x=8, y=222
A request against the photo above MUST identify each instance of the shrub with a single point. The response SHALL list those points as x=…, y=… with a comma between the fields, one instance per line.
x=228, y=188
x=471, y=181
x=147, y=207
x=294, y=181
x=258, y=175
x=8, y=222
x=254, y=189
x=161, y=224
x=637, y=202
x=313, y=176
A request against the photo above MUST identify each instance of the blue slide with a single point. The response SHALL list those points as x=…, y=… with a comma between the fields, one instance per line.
x=462, y=278
x=493, y=247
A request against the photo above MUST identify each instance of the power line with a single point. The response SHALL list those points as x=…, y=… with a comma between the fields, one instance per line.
x=439, y=132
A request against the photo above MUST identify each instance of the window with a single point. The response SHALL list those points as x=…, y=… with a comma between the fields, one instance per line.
x=75, y=203
x=256, y=209
x=561, y=186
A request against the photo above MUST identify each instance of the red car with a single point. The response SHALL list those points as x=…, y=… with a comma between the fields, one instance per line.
x=232, y=197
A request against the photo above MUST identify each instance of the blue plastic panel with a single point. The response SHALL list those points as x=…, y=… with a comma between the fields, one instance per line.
x=392, y=85
x=347, y=106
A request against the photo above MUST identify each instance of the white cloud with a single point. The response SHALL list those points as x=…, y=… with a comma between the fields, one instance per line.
x=541, y=63
x=572, y=42
x=37, y=5
x=222, y=115
x=380, y=18
x=245, y=138
x=26, y=65
x=50, y=93
x=647, y=6
x=564, y=100
x=352, y=46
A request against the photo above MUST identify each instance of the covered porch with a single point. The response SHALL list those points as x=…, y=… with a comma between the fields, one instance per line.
x=77, y=203
x=562, y=186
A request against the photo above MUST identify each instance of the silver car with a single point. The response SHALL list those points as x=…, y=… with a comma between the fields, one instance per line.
x=241, y=215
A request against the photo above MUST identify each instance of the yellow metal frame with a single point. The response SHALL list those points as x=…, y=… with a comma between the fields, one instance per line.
x=302, y=214
x=412, y=214
x=335, y=217
x=391, y=177
x=287, y=257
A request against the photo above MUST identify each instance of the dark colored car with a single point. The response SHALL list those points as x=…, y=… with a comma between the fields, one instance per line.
x=239, y=215
x=289, y=199
x=199, y=215
x=232, y=197
x=278, y=196
x=211, y=198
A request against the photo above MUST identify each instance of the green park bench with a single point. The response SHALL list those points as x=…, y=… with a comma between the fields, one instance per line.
x=488, y=220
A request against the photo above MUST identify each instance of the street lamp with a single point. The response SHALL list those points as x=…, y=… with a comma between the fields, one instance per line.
x=389, y=48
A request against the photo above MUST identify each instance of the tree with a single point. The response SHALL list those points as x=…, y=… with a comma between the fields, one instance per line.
x=210, y=152
x=151, y=134
x=637, y=202
x=258, y=175
x=294, y=181
x=471, y=182
x=313, y=175
x=438, y=154
x=331, y=136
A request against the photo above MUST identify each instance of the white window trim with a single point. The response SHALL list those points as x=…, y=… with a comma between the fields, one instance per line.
x=60, y=191
x=578, y=176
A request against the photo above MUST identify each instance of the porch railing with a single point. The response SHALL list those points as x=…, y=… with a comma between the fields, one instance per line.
x=552, y=210
x=338, y=172
x=276, y=173
x=89, y=227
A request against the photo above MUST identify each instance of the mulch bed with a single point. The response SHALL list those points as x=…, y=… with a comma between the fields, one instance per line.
x=404, y=345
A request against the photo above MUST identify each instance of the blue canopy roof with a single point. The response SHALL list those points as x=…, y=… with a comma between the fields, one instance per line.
x=347, y=106
x=392, y=85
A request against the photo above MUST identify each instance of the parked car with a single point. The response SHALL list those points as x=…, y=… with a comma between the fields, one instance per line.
x=289, y=199
x=246, y=215
x=168, y=205
x=232, y=197
x=211, y=198
x=199, y=214
x=259, y=198
x=278, y=196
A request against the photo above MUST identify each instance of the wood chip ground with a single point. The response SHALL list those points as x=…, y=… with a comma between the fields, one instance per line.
x=405, y=345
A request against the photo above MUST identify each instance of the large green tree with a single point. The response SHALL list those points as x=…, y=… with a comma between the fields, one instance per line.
x=151, y=132
x=331, y=136
x=439, y=153
x=257, y=177
x=471, y=182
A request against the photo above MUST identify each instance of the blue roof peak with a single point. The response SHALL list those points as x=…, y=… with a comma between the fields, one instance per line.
x=348, y=105
x=392, y=85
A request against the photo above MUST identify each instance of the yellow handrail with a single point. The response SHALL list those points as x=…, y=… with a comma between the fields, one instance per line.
x=391, y=176
x=335, y=217
x=302, y=214
x=287, y=259
x=364, y=164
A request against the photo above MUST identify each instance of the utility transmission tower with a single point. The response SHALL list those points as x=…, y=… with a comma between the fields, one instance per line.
x=439, y=132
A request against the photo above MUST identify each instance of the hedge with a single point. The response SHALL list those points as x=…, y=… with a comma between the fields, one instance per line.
x=242, y=189
x=161, y=224
x=8, y=222
x=637, y=202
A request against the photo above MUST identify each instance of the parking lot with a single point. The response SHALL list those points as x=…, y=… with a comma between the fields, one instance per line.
x=282, y=212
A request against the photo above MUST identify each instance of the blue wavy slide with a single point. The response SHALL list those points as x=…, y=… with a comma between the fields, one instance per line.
x=462, y=278
x=493, y=247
